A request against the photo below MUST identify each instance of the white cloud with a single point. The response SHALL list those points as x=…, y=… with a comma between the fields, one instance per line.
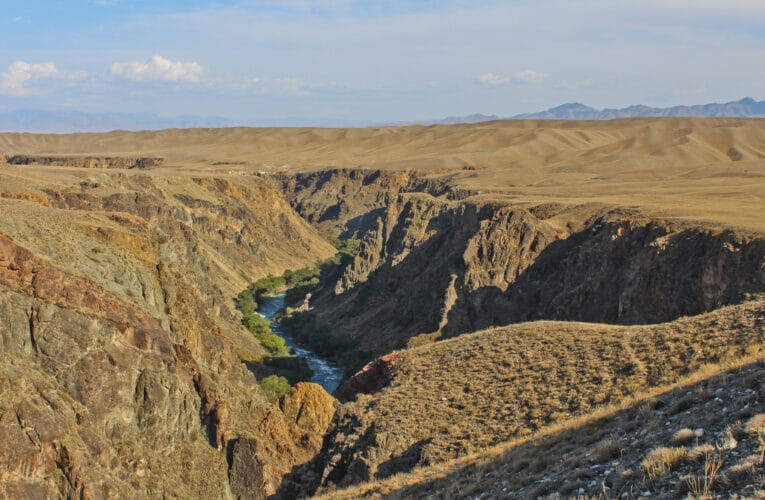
x=290, y=85
x=529, y=76
x=158, y=69
x=19, y=73
x=493, y=80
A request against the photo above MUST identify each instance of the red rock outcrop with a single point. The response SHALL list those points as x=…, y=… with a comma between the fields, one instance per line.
x=371, y=378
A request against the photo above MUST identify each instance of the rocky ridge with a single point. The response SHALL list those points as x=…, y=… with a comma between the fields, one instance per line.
x=122, y=375
x=433, y=267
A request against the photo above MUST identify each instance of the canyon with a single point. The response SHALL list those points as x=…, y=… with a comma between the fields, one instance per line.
x=511, y=279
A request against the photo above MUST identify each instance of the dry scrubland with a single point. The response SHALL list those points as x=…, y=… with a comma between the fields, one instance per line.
x=695, y=168
x=462, y=395
x=118, y=321
x=701, y=437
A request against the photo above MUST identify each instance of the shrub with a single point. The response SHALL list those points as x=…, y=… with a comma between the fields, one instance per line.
x=266, y=286
x=273, y=343
x=683, y=436
x=245, y=302
x=275, y=387
x=256, y=323
x=662, y=460
x=300, y=276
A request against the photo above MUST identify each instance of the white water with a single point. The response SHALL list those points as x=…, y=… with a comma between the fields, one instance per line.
x=325, y=373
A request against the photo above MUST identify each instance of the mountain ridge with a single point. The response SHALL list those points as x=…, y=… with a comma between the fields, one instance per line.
x=743, y=108
x=62, y=122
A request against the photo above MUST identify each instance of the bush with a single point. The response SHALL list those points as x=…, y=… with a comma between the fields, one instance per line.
x=275, y=387
x=245, y=302
x=266, y=286
x=273, y=343
x=256, y=323
x=300, y=276
x=659, y=461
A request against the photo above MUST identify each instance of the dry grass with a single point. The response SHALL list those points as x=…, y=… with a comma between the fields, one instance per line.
x=465, y=394
x=683, y=436
x=677, y=167
x=756, y=424
x=659, y=461
x=500, y=472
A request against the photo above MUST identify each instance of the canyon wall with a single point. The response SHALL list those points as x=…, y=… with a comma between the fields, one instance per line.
x=434, y=267
x=121, y=374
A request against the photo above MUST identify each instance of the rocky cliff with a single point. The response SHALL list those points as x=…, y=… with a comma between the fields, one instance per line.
x=121, y=375
x=87, y=161
x=432, y=268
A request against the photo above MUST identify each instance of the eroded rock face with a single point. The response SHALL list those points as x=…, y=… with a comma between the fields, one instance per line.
x=292, y=430
x=349, y=201
x=432, y=268
x=87, y=161
x=371, y=378
x=120, y=375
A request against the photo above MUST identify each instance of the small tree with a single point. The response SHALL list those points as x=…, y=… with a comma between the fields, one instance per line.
x=275, y=387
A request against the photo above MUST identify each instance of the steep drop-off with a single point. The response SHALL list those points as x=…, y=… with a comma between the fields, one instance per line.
x=431, y=267
x=435, y=267
x=121, y=370
x=122, y=373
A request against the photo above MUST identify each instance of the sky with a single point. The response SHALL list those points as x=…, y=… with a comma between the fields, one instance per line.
x=352, y=61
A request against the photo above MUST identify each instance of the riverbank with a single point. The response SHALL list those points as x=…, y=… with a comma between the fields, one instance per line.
x=325, y=372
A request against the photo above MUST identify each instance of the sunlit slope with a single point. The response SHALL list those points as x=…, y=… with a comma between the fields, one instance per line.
x=696, y=168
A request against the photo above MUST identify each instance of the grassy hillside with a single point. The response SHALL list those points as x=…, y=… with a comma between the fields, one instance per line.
x=710, y=169
x=702, y=436
x=456, y=397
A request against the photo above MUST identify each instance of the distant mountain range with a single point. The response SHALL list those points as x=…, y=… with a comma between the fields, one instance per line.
x=73, y=121
x=744, y=108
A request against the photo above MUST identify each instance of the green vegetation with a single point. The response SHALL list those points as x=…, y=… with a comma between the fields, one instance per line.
x=297, y=283
x=303, y=326
x=247, y=300
x=258, y=325
x=309, y=279
x=275, y=387
x=294, y=368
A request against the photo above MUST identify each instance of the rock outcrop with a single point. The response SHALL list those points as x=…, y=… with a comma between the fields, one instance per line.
x=432, y=268
x=371, y=378
x=121, y=374
x=87, y=161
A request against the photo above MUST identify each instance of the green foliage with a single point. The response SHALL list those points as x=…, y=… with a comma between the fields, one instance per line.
x=261, y=328
x=300, y=276
x=266, y=286
x=294, y=368
x=303, y=326
x=350, y=246
x=309, y=279
x=256, y=323
x=275, y=387
x=273, y=343
x=245, y=302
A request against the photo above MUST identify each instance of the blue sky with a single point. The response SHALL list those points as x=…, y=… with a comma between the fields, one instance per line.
x=363, y=61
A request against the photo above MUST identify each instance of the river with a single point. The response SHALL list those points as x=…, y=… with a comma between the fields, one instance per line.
x=325, y=372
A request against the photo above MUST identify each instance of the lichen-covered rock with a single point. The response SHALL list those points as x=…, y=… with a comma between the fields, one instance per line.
x=309, y=407
x=119, y=375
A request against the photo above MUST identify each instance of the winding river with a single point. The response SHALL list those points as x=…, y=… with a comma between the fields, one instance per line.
x=325, y=372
